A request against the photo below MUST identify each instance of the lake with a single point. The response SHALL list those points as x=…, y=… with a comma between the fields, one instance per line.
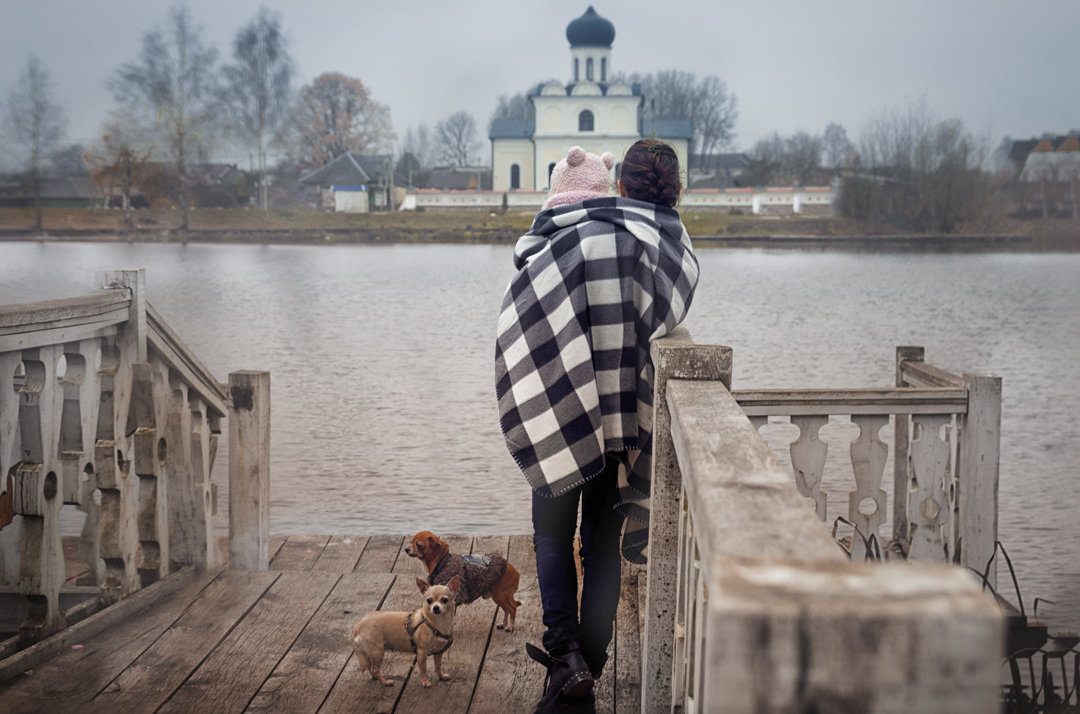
x=381, y=362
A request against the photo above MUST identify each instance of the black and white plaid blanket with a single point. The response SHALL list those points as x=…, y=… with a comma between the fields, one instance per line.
x=596, y=282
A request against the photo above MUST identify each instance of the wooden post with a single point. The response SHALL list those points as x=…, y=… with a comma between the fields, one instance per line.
x=135, y=329
x=674, y=357
x=249, y=470
x=901, y=445
x=37, y=495
x=979, y=460
x=119, y=533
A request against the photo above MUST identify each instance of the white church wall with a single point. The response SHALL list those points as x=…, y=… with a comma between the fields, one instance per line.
x=622, y=121
x=551, y=120
x=506, y=153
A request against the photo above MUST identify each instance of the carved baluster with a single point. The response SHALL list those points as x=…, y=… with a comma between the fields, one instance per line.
x=71, y=424
x=10, y=363
x=203, y=451
x=927, y=502
x=951, y=487
x=149, y=451
x=37, y=496
x=89, y=548
x=808, y=454
x=867, y=503
x=183, y=546
x=119, y=534
x=684, y=596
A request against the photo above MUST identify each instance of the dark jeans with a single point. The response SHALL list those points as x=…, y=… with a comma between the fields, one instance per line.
x=554, y=523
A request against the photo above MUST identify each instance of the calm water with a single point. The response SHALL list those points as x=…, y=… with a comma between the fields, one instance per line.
x=380, y=357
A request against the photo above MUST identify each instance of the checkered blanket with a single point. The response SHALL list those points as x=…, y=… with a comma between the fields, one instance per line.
x=596, y=282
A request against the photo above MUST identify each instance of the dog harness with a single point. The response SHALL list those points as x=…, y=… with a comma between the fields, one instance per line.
x=411, y=632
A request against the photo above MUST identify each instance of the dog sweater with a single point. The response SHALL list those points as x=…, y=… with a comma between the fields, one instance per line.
x=478, y=573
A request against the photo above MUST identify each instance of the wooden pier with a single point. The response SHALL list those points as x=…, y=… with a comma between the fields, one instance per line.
x=277, y=641
x=748, y=602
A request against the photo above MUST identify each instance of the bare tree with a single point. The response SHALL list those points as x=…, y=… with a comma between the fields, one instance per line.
x=172, y=88
x=36, y=124
x=713, y=115
x=514, y=106
x=917, y=171
x=711, y=109
x=418, y=144
x=803, y=159
x=118, y=163
x=415, y=160
x=67, y=160
x=332, y=115
x=258, y=86
x=456, y=139
x=794, y=160
x=838, y=149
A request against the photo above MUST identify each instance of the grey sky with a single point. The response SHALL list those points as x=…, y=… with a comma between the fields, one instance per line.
x=1004, y=67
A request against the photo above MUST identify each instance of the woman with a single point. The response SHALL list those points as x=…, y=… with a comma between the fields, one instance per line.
x=597, y=280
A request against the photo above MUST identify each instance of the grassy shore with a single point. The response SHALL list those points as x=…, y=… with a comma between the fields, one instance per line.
x=243, y=225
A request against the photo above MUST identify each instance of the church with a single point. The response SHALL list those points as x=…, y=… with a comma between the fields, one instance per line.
x=591, y=111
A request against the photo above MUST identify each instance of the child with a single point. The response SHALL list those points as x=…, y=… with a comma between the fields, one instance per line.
x=579, y=177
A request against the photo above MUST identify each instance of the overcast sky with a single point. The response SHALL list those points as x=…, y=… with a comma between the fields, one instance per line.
x=1004, y=67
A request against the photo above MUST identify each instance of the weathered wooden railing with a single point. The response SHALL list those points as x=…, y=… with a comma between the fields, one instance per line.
x=752, y=605
x=103, y=408
x=945, y=458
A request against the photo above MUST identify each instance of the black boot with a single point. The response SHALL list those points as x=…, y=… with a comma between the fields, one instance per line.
x=595, y=660
x=569, y=683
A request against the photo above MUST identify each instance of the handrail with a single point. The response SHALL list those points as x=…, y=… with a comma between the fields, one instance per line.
x=180, y=357
x=48, y=322
x=927, y=400
x=45, y=311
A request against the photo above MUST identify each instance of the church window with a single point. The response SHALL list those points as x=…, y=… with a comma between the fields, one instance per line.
x=588, y=69
x=576, y=74
x=603, y=69
x=515, y=176
x=585, y=121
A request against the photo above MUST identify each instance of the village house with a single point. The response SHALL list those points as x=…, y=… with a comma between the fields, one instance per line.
x=351, y=183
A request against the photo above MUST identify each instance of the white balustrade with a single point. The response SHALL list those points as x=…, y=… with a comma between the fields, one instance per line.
x=769, y=613
x=104, y=409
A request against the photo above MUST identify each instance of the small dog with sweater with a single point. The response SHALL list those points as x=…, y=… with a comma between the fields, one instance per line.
x=485, y=575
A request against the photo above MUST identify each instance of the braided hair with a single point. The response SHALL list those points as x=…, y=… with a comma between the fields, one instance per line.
x=650, y=172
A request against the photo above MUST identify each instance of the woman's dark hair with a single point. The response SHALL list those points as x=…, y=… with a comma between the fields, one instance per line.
x=650, y=172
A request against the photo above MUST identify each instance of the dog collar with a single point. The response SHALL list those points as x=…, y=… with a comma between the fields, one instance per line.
x=411, y=632
x=437, y=568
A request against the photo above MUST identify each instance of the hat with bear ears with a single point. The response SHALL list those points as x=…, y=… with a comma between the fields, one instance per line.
x=579, y=177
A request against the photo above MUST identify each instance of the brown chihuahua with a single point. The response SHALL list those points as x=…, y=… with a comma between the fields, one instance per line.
x=486, y=575
x=427, y=630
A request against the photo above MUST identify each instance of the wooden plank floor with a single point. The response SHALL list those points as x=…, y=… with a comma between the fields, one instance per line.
x=277, y=640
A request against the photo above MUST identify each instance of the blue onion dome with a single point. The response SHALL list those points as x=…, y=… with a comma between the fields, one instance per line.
x=590, y=30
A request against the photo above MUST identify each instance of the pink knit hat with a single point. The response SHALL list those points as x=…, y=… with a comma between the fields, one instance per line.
x=579, y=177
